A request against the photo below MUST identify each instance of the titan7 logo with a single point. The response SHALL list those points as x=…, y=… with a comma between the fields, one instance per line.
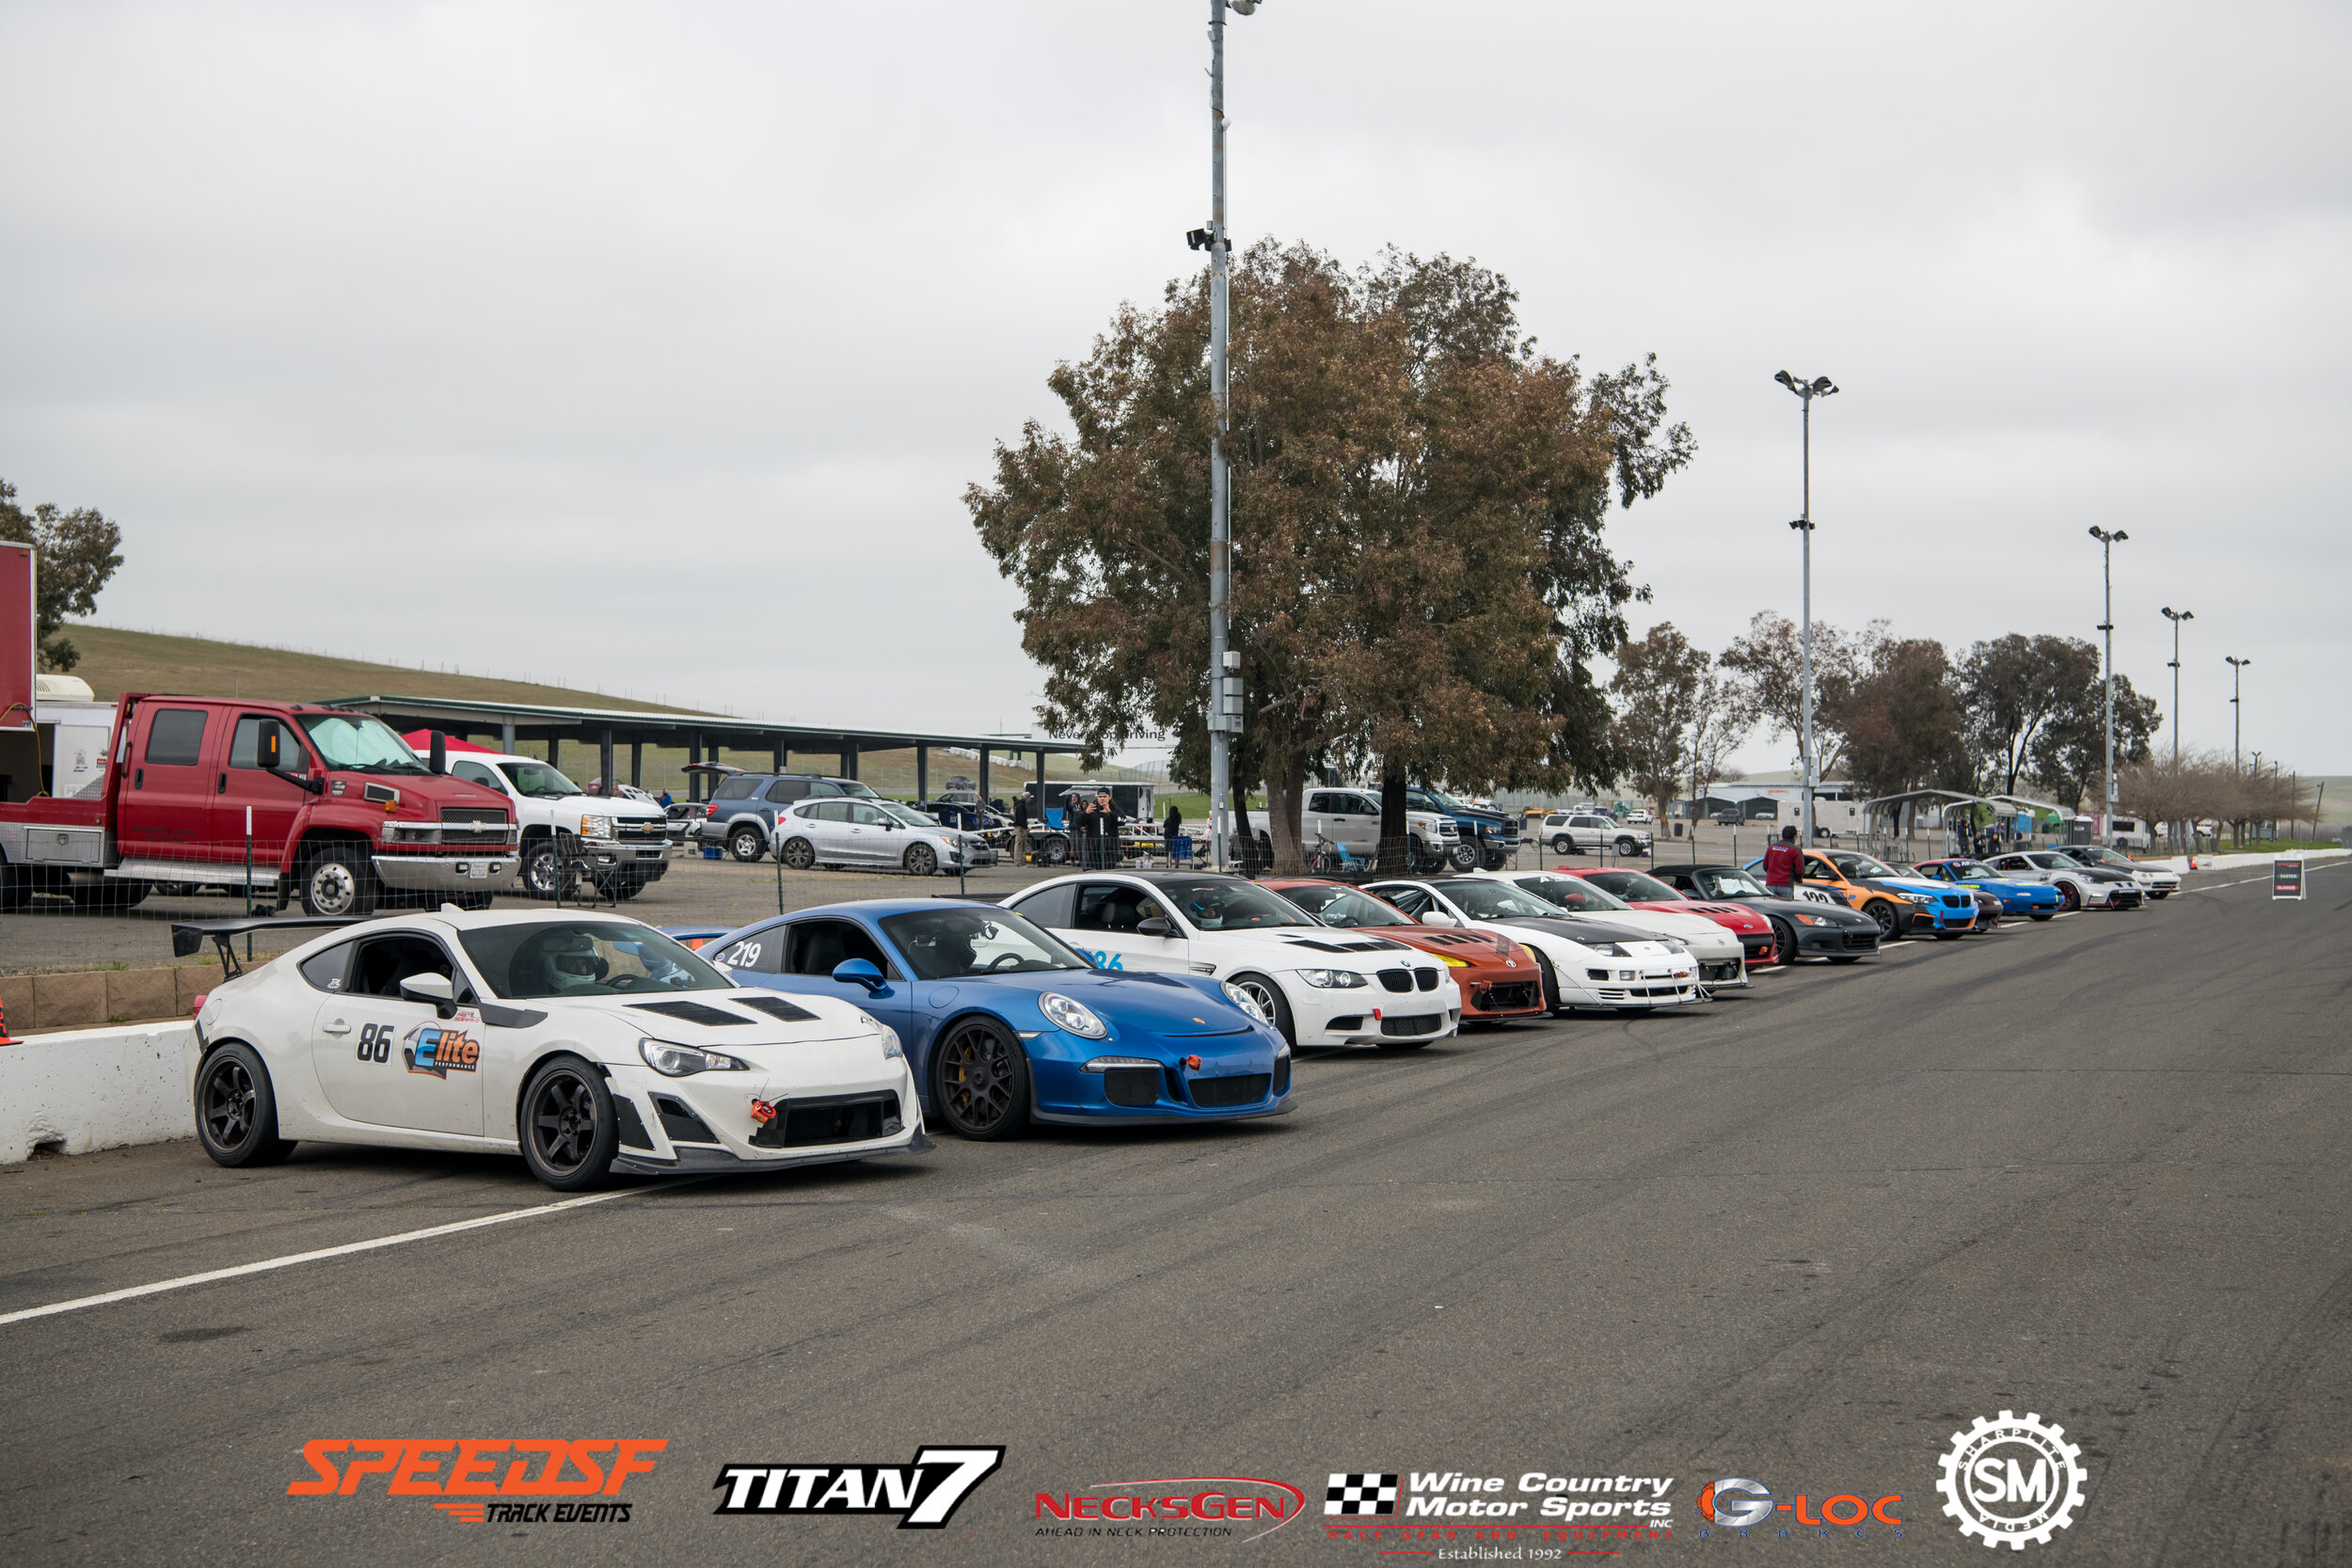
x=924, y=1495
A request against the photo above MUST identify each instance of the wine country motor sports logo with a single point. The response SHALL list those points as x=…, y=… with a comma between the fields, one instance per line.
x=1741, y=1503
x=1244, y=1507
x=1427, y=1511
x=1358, y=1493
x=2008, y=1481
x=924, y=1495
x=489, y=1480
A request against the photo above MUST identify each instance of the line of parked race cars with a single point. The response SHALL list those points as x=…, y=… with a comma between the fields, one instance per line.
x=596, y=1044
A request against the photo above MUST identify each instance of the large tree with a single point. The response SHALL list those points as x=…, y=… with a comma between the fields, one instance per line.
x=74, y=553
x=2016, y=687
x=2070, y=750
x=1767, y=665
x=1658, y=686
x=1904, y=722
x=1419, y=572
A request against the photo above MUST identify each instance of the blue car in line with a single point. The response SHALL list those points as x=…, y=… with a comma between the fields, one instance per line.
x=1004, y=1023
x=2035, y=900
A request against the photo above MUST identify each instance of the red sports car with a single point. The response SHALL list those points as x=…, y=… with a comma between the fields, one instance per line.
x=1499, y=978
x=1644, y=892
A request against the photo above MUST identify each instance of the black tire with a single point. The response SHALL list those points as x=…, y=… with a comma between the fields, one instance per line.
x=798, y=854
x=627, y=887
x=2069, y=901
x=2159, y=897
x=1053, y=850
x=340, y=879
x=542, y=864
x=1889, y=918
x=2040, y=915
x=920, y=860
x=1630, y=846
x=1563, y=845
x=1495, y=860
x=980, y=1080
x=566, y=1128
x=16, y=888
x=1845, y=958
x=1552, y=1004
x=106, y=896
x=1784, y=943
x=236, y=1110
x=747, y=844
x=1464, y=856
x=1271, y=1002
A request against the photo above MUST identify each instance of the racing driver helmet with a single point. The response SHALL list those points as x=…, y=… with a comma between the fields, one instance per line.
x=562, y=960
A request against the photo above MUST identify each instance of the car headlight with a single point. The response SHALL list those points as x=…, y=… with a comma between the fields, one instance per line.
x=596, y=827
x=1920, y=897
x=892, y=1050
x=1674, y=945
x=1613, y=949
x=677, y=1061
x=1803, y=919
x=1070, y=1016
x=1243, y=1000
x=1332, y=979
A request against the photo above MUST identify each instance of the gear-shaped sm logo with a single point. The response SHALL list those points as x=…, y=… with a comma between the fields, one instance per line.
x=2013, y=1480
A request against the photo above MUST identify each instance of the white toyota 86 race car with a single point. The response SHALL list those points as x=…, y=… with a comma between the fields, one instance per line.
x=1584, y=962
x=588, y=1044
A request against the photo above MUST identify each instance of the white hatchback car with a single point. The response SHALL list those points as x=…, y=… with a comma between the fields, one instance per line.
x=835, y=832
x=1583, y=964
x=1318, y=984
x=588, y=1044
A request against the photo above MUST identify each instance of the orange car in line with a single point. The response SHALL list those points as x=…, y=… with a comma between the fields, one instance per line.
x=1499, y=978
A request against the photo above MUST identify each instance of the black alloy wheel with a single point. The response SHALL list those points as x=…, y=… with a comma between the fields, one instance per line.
x=1784, y=943
x=2070, y=899
x=980, y=1081
x=568, y=1133
x=798, y=854
x=236, y=1113
x=746, y=843
x=1890, y=919
x=1271, y=1002
x=920, y=860
x=340, y=879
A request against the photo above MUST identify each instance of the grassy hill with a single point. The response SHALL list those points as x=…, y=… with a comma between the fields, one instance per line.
x=115, y=661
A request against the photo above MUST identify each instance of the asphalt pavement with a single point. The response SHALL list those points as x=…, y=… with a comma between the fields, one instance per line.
x=2093, y=1169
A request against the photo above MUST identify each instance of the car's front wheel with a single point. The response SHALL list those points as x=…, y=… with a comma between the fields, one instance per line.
x=1464, y=856
x=1563, y=845
x=1052, y=850
x=920, y=860
x=980, y=1081
x=747, y=844
x=1890, y=920
x=2068, y=898
x=568, y=1134
x=1271, y=1002
x=236, y=1110
x=1784, y=943
x=1553, y=1002
x=1628, y=846
x=339, y=880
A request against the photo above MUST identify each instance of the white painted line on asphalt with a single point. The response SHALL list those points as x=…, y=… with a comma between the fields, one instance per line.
x=287, y=1261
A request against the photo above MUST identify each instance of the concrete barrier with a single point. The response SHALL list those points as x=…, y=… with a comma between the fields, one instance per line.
x=96, y=1088
x=2238, y=862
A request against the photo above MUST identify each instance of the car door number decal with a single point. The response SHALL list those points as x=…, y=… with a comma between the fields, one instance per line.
x=1109, y=961
x=375, y=1042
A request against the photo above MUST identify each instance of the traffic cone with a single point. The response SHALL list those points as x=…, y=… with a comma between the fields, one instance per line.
x=7, y=1039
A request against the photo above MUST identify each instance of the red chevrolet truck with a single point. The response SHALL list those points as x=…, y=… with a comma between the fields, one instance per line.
x=333, y=806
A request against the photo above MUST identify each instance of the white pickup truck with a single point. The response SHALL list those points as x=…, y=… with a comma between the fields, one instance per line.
x=1351, y=817
x=619, y=844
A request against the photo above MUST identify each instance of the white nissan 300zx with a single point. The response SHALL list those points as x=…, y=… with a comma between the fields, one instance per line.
x=587, y=1043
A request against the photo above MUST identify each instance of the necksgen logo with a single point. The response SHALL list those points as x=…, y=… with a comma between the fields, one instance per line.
x=924, y=1495
x=471, y=1487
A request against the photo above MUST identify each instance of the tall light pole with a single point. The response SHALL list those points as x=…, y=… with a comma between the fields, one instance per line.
x=2106, y=627
x=2237, y=714
x=1224, y=684
x=1819, y=386
x=2176, y=617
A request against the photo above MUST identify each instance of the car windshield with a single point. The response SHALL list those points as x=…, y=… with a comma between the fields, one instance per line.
x=1634, y=885
x=1571, y=893
x=952, y=944
x=1730, y=884
x=359, y=743
x=555, y=959
x=1854, y=867
x=850, y=787
x=536, y=780
x=1969, y=871
x=1494, y=900
x=908, y=815
x=2099, y=854
x=1345, y=906
x=2047, y=861
x=1433, y=799
x=1235, y=906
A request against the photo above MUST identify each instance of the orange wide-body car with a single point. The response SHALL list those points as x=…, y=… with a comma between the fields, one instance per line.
x=1499, y=978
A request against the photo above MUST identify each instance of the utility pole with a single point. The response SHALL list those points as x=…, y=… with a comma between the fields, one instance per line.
x=1819, y=386
x=2176, y=617
x=2106, y=627
x=2237, y=714
x=1224, y=680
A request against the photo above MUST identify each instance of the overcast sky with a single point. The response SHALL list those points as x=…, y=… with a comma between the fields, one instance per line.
x=652, y=346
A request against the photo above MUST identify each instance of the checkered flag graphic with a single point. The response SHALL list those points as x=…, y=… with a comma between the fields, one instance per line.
x=1362, y=1491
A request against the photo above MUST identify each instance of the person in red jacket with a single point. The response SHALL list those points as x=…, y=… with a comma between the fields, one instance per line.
x=1783, y=864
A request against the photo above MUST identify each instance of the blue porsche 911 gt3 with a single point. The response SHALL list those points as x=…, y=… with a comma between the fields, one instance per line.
x=1004, y=1023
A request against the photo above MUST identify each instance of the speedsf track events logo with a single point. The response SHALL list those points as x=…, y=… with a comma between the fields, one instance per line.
x=496, y=1480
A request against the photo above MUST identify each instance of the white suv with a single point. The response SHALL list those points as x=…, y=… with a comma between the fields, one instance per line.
x=1571, y=832
x=619, y=843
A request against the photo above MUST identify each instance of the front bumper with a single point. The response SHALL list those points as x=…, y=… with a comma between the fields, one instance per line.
x=1729, y=974
x=703, y=1122
x=1143, y=1078
x=2119, y=897
x=1509, y=993
x=647, y=861
x=445, y=873
x=1823, y=941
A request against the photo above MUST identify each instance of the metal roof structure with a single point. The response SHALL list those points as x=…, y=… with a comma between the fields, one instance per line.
x=702, y=735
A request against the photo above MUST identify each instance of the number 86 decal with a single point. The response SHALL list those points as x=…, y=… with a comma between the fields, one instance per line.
x=375, y=1042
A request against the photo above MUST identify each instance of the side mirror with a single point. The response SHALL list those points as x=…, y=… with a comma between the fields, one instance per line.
x=434, y=989
x=859, y=972
x=268, y=751
x=1154, y=926
x=1438, y=917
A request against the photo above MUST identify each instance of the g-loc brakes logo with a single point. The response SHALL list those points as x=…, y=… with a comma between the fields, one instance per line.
x=1736, y=1502
x=1988, y=1491
x=925, y=1495
x=472, y=1491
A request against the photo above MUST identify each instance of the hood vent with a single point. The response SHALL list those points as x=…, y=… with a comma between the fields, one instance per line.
x=776, y=1007
x=690, y=1012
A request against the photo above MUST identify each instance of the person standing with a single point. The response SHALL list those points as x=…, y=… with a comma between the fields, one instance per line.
x=1784, y=866
x=1105, y=830
x=1172, y=830
x=1020, y=829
